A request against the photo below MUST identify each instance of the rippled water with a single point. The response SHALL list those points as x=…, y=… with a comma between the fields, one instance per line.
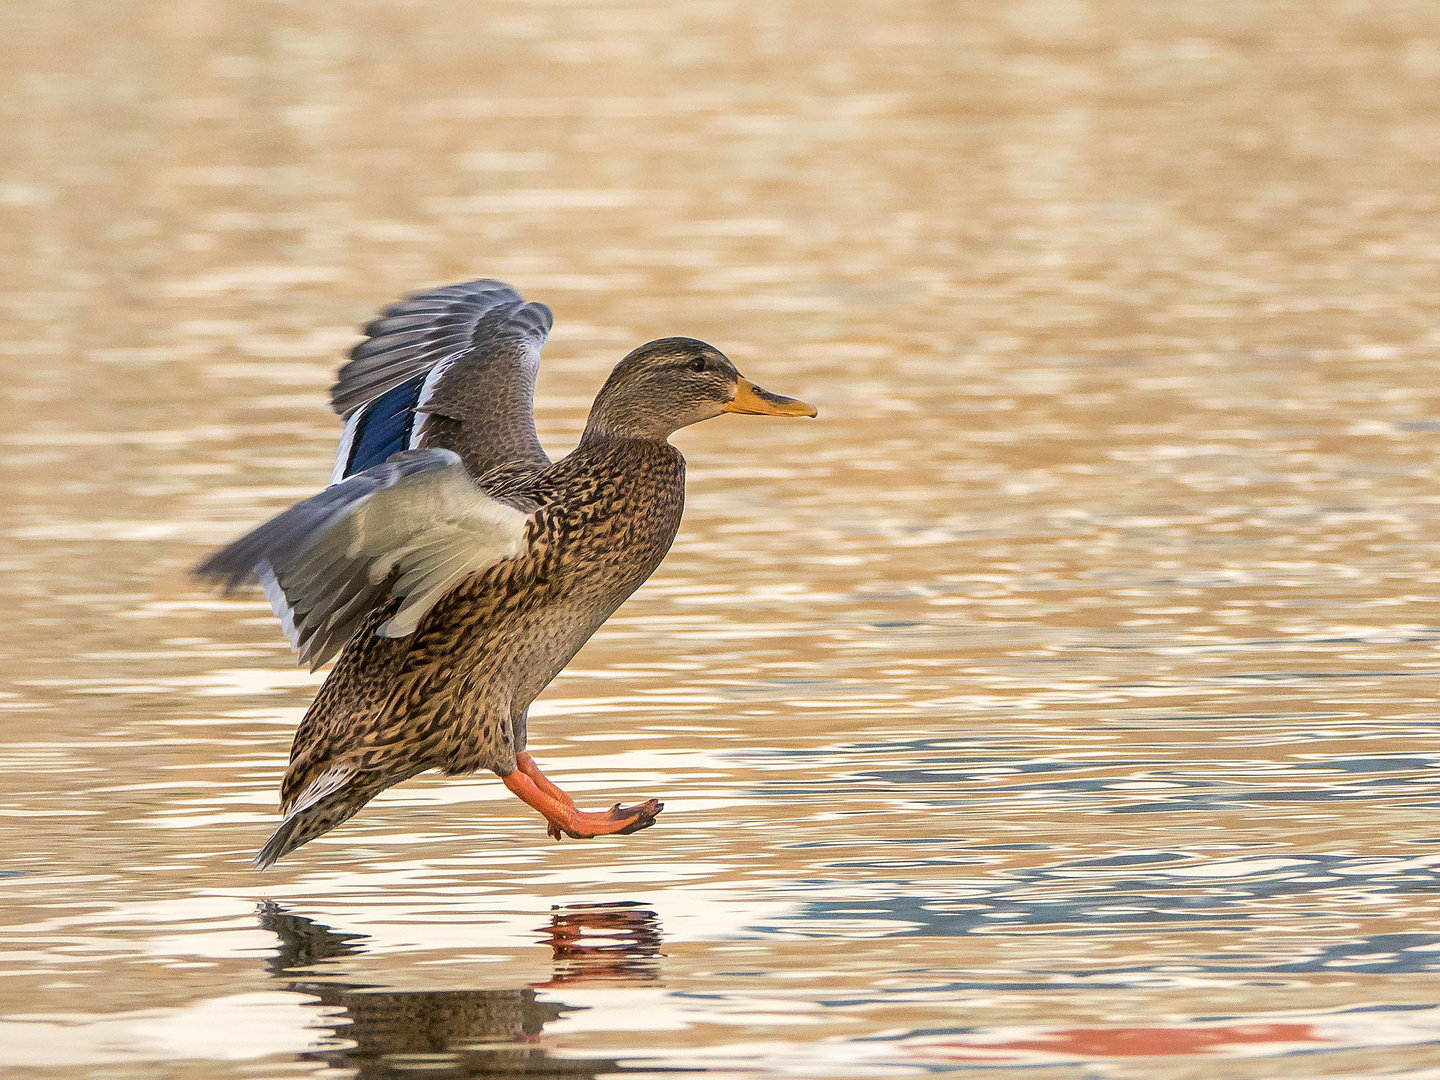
x=1064, y=700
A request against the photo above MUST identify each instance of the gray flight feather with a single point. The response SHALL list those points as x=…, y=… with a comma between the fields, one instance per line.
x=411, y=529
x=478, y=344
x=413, y=336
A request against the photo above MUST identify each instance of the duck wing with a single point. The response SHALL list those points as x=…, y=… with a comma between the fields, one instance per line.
x=454, y=367
x=409, y=528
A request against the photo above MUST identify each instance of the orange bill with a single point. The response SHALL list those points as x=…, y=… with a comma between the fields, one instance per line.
x=750, y=399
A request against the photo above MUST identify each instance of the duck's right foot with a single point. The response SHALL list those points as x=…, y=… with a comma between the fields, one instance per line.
x=561, y=816
x=617, y=821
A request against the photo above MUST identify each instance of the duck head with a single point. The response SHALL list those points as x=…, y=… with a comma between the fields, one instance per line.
x=671, y=383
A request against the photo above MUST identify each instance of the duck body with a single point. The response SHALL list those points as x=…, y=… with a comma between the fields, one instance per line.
x=452, y=566
x=454, y=694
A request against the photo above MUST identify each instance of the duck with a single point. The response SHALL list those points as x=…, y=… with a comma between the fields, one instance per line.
x=452, y=569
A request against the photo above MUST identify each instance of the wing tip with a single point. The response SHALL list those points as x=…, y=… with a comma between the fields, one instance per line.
x=219, y=570
x=387, y=333
x=542, y=316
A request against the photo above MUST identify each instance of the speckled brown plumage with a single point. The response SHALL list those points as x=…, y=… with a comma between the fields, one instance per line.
x=453, y=695
x=545, y=551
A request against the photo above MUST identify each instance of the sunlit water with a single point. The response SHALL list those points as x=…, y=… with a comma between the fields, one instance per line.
x=1063, y=700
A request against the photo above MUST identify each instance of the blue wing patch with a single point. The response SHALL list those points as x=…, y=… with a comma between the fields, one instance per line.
x=382, y=427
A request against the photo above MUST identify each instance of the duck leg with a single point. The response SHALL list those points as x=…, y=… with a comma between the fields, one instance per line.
x=535, y=789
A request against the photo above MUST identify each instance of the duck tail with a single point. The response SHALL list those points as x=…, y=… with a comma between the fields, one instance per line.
x=331, y=798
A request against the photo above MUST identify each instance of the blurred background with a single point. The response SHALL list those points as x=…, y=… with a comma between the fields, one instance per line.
x=1063, y=699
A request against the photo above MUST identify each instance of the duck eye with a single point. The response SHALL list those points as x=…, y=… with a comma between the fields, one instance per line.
x=698, y=364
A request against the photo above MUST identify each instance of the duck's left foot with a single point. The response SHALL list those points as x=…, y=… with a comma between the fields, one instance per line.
x=561, y=816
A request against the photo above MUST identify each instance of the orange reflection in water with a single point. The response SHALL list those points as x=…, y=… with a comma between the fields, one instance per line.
x=603, y=942
x=1093, y=1042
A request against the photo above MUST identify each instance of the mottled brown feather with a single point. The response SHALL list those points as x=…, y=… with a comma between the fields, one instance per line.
x=453, y=695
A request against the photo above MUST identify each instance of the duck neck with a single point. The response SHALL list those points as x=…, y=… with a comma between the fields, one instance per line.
x=611, y=420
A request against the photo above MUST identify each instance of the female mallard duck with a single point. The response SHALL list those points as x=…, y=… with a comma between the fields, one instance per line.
x=452, y=565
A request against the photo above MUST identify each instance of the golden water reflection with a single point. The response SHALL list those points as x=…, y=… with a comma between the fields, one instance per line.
x=1062, y=701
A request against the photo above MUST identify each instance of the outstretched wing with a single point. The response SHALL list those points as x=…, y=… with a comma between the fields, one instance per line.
x=452, y=367
x=410, y=528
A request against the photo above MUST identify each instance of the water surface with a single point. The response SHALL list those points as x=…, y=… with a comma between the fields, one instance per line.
x=1062, y=701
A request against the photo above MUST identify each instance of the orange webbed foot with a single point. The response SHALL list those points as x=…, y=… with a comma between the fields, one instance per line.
x=561, y=816
x=617, y=821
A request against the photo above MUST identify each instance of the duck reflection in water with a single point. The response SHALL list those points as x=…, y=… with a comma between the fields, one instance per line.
x=604, y=942
x=455, y=1032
